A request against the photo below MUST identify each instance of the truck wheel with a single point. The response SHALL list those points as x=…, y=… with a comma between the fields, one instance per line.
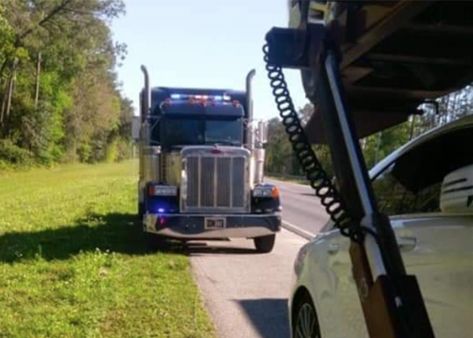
x=141, y=210
x=154, y=242
x=139, y=216
x=264, y=244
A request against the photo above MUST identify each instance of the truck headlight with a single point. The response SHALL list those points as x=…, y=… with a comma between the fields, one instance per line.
x=162, y=190
x=266, y=191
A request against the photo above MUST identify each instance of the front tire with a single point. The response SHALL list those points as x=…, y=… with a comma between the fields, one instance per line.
x=155, y=242
x=264, y=244
x=141, y=210
x=305, y=323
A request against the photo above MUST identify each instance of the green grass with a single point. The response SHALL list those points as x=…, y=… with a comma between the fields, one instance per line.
x=73, y=261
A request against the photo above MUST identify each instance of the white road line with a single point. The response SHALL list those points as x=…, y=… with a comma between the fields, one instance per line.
x=297, y=230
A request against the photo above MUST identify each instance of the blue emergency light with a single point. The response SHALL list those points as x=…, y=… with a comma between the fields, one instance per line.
x=200, y=97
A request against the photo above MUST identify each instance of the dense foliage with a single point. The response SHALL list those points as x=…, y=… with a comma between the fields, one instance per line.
x=281, y=160
x=59, y=97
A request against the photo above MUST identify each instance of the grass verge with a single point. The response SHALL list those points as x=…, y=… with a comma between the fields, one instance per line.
x=73, y=261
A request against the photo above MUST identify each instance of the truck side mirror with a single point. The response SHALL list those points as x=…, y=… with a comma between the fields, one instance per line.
x=262, y=133
x=135, y=127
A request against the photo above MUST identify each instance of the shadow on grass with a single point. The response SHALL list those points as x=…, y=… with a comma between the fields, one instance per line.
x=269, y=316
x=114, y=232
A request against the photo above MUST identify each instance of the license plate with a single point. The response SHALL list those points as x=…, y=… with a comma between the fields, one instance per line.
x=214, y=223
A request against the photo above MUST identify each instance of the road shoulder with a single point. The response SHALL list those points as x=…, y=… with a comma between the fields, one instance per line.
x=246, y=292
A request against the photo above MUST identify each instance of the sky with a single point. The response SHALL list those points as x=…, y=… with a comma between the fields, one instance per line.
x=203, y=44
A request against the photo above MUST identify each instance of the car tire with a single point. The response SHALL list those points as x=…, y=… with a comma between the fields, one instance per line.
x=305, y=323
x=155, y=242
x=264, y=244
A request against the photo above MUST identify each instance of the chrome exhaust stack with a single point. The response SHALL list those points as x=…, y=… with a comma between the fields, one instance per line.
x=145, y=95
x=249, y=106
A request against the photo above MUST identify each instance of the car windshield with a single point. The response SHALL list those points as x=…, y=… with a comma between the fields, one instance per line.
x=188, y=131
x=411, y=184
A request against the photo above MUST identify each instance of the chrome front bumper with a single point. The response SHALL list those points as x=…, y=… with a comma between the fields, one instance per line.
x=193, y=226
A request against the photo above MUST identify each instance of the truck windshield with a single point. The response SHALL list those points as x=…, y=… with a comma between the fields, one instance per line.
x=224, y=132
x=185, y=131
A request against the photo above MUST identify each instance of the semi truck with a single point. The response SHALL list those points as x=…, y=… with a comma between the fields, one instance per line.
x=201, y=167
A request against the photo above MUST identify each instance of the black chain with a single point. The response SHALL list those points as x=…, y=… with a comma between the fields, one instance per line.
x=318, y=178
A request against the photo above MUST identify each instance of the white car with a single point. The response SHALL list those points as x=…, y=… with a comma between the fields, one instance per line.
x=426, y=187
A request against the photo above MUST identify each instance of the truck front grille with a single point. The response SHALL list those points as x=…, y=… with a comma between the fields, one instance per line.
x=215, y=184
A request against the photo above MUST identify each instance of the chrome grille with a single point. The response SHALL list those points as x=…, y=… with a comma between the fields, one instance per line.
x=215, y=183
x=207, y=183
x=238, y=193
x=193, y=180
x=224, y=182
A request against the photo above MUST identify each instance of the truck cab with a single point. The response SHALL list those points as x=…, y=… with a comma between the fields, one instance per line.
x=201, y=159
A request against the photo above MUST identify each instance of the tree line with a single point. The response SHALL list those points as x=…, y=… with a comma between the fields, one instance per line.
x=59, y=94
x=280, y=159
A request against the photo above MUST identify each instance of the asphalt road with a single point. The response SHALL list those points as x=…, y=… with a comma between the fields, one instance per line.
x=301, y=208
x=246, y=292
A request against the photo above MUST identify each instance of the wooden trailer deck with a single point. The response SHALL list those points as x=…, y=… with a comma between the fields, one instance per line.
x=397, y=55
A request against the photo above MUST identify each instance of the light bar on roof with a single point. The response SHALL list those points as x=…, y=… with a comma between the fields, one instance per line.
x=200, y=97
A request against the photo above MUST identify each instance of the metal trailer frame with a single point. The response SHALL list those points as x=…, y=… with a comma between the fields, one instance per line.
x=343, y=59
